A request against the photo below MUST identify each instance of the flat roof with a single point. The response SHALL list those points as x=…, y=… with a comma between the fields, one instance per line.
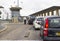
x=47, y=10
x=15, y=8
x=1, y=7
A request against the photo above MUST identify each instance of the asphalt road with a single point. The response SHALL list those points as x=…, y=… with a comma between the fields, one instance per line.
x=20, y=32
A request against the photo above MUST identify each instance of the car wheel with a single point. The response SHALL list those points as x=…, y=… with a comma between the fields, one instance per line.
x=45, y=40
x=33, y=26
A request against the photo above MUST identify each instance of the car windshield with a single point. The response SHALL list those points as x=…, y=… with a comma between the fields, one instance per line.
x=54, y=22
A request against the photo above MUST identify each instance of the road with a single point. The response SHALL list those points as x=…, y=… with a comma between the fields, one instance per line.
x=20, y=32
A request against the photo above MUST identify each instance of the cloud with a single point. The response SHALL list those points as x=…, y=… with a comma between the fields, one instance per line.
x=31, y=6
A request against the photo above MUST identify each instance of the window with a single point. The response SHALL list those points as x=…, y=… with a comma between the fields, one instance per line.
x=0, y=12
x=39, y=19
x=54, y=22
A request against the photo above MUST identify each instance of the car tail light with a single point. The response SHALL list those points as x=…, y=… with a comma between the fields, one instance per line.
x=46, y=28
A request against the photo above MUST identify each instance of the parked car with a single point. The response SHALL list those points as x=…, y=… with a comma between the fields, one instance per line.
x=37, y=22
x=50, y=30
x=30, y=21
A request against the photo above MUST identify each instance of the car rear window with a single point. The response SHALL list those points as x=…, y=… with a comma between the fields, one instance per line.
x=39, y=19
x=54, y=22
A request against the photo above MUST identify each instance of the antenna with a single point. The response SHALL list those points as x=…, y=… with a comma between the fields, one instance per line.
x=18, y=3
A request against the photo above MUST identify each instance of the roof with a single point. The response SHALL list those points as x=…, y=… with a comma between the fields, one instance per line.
x=1, y=7
x=48, y=9
x=15, y=8
x=39, y=17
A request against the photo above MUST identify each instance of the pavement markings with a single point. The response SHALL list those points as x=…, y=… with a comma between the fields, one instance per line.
x=27, y=34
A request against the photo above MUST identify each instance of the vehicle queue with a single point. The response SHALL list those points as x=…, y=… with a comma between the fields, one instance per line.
x=49, y=27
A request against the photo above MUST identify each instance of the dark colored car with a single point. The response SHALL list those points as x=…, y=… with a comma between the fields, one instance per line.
x=31, y=19
x=50, y=30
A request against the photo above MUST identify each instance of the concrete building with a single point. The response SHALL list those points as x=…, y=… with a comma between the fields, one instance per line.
x=2, y=13
x=54, y=10
x=15, y=12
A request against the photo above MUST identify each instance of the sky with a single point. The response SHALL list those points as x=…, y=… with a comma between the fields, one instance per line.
x=29, y=6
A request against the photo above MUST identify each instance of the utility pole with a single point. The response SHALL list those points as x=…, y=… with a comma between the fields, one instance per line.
x=18, y=3
x=7, y=16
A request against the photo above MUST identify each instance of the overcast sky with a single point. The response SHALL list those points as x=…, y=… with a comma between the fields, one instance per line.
x=30, y=6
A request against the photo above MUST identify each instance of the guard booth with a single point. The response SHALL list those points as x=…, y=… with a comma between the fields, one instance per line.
x=15, y=12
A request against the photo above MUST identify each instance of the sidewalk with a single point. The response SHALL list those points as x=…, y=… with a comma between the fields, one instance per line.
x=2, y=28
x=18, y=22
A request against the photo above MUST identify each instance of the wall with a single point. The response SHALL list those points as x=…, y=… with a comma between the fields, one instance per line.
x=3, y=15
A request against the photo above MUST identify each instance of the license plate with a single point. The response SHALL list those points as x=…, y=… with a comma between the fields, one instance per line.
x=58, y=33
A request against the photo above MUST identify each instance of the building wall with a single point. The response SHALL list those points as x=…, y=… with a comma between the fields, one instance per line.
x=3, y=14
x=49, y=12
x=15, y=13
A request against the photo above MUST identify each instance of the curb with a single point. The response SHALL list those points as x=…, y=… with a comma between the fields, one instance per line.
x=3, y=29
